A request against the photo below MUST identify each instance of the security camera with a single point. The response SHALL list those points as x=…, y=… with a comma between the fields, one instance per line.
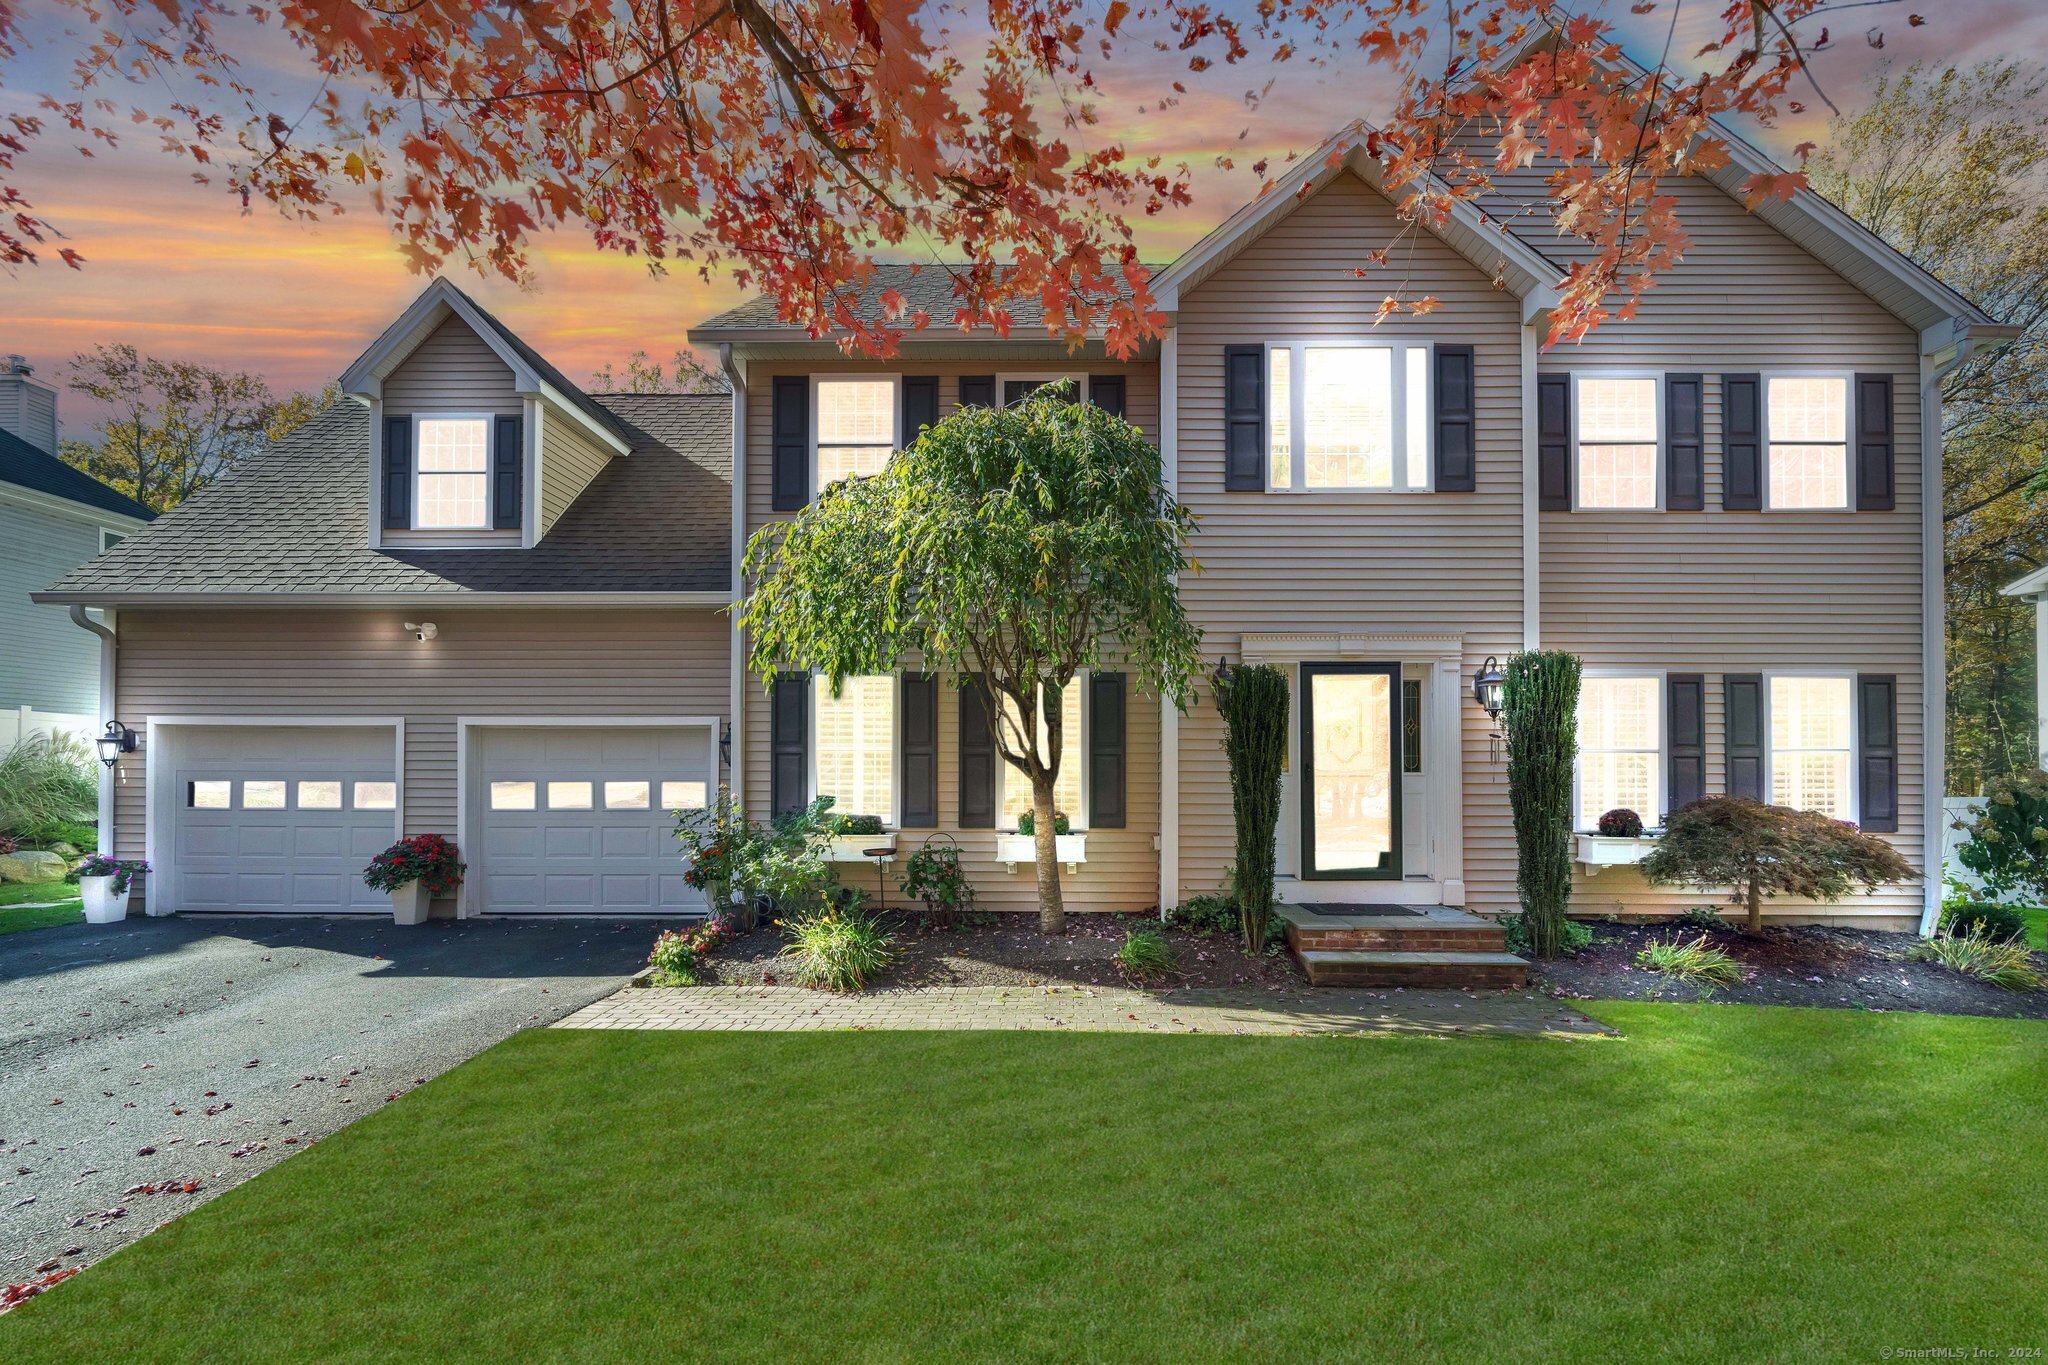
x=423, y=631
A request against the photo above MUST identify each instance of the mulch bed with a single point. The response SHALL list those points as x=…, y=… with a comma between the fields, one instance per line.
x=1008, y=950
x=1814, y=965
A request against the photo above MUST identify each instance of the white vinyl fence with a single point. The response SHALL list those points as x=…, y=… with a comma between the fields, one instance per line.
x=18, y=721
x=1954, y=808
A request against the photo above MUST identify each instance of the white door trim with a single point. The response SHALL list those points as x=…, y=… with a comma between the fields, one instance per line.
x=465, y=907
x=160, y=887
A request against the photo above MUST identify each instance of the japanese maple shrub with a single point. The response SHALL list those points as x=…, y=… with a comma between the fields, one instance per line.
x=1010, y=548
x=1539, y=713
x=428, y=859
x=1763, y=851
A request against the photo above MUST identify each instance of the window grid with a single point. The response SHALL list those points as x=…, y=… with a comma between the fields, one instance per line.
x=1813, y=744
x=855, y=745
x=1066, y=788
x=1617, y=443
x=1808, y=422
x=856, y=428
x=1620, y=747
x=453, y=477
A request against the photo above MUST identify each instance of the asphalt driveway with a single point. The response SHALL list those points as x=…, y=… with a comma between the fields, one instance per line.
x=175, y=1052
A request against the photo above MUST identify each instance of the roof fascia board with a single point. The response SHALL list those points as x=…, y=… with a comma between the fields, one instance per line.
x=446, y=598
x=2033, y=585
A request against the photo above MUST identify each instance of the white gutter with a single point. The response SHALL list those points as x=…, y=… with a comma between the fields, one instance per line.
x=108, y=645
x=1532, y=519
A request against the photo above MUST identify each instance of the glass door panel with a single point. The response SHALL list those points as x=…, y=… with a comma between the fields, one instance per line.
x=1351, y=811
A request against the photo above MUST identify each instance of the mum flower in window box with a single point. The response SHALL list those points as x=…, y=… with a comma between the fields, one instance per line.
x=414, y=871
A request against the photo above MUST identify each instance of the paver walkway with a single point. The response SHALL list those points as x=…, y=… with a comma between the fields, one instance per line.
x=1428, y=1012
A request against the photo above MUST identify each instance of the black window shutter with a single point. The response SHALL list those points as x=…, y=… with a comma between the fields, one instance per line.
x=1685, y=469
x=397, y=473
x=978, y=759
x=1685, y=708
x=508, y=458
x=977, y=390
x=920, y=750
x=1877, y=709
x=1742, y=443
x=920, y=405
x=1874, y=450
x=1743, y=695
x=1106, y=750
x=1106, y=391
x=1457, y=467
x=1554, y=442
x=789, y=743
x=792, y=443
x=1244, y=419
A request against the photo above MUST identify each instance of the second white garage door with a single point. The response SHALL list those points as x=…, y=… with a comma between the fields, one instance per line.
x=579, y=819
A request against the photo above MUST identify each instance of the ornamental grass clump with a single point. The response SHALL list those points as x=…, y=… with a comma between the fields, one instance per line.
x=837, y=950
x=2005, y=964
x=1146, y=956
x=1694, y=960
x=428, y=859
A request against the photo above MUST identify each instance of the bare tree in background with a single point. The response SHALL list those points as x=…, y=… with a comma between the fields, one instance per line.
x=643, y=374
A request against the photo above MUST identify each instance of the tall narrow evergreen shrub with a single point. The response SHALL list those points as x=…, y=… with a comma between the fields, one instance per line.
x=1539, y=714
x=1253, y=701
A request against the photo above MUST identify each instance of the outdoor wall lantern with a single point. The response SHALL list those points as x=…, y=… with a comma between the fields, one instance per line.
x=1486, y=688
x=725, y=744
x=118, y=740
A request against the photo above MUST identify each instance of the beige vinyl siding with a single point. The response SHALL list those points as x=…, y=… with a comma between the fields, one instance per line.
x=631, y=663
x=451, y=371
x=1719, y=592
x=1122, y=871
x=1425, y=564
x=570, y=458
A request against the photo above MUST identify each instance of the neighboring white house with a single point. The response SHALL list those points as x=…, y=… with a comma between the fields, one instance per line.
x=52, y=519
x=2035, y=588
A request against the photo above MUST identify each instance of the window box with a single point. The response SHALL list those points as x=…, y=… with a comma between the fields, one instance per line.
x=853, y=848
x=1600, y=851
x=1012, y=849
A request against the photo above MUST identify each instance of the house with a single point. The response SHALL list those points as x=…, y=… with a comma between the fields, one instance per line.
x=2034, y=587
x=52, y=519
x=475, y=600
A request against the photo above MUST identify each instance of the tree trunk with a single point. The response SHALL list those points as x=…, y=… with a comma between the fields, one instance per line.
x=1052, y=911
x=1756, y=905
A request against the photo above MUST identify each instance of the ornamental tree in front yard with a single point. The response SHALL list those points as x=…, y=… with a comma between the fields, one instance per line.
x=1762, y=850
x=1011, y=547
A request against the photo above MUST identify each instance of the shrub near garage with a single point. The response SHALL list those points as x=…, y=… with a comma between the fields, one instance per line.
x=2008, y=843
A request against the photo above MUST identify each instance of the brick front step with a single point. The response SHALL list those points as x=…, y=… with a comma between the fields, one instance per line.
x=1479, y=970
x=1396, y=938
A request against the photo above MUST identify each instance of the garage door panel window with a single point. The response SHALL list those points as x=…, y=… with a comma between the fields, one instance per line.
x=1813, y=745
x=568, y=796
x=684, y=795
x=513, y=795
x=266, y=794
x=320, y=795
x=209, y=794
x=855, y=744
x=625, y=796
x=376, y=796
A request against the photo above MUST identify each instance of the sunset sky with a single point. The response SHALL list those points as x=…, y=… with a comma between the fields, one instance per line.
x=179, y=271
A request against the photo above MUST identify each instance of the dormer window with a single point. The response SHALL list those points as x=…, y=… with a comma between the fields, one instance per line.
x=453, y=482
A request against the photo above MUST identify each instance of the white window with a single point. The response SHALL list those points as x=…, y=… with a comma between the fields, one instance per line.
x=855, y=748
x=1813, y=745
x=513, y=795
x=684, y=795
x=376, y=795
x=452, y=488
x=625, y=796
x=1621, y=748
x=1617, y=441
x=319, y=796
x=263, y=795
x=1348, y=417
x=1066, y=788
x=1807, y=418
x=856, y=427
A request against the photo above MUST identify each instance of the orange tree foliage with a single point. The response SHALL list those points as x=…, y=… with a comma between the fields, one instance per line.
x=796, y=141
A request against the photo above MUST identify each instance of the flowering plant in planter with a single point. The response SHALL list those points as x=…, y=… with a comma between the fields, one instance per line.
x=428, y=859
x=1621, y=824
x=1027, y=823
x=849, y=825
x=124, y=871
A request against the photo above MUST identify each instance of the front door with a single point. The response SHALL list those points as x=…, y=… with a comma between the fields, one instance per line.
x=1351, y=786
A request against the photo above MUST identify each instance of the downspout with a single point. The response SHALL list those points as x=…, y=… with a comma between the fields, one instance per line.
x=1169, y=714
x=735, y=374
x=108, y=645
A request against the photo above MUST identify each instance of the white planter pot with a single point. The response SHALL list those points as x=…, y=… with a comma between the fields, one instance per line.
x=853, y=848
x=1012, y=849
x=103, y=904
x=409, y=904
x=1600, y=851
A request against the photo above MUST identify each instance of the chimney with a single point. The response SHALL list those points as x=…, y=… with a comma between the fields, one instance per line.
x=28, y=407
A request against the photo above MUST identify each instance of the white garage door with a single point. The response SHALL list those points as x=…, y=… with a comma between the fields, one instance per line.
x=579, y=819
x=280, y=820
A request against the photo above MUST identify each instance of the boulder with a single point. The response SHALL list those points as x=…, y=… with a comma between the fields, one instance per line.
x=68, y=850
x=33, y=867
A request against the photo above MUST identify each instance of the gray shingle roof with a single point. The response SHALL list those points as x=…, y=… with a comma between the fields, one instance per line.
x=928, y=287
x=294, y=520
x=28, y=467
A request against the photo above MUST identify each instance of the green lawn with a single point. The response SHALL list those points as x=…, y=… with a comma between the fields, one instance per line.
x=14, y=894
x=2037, y=926
x=1725, y=1183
